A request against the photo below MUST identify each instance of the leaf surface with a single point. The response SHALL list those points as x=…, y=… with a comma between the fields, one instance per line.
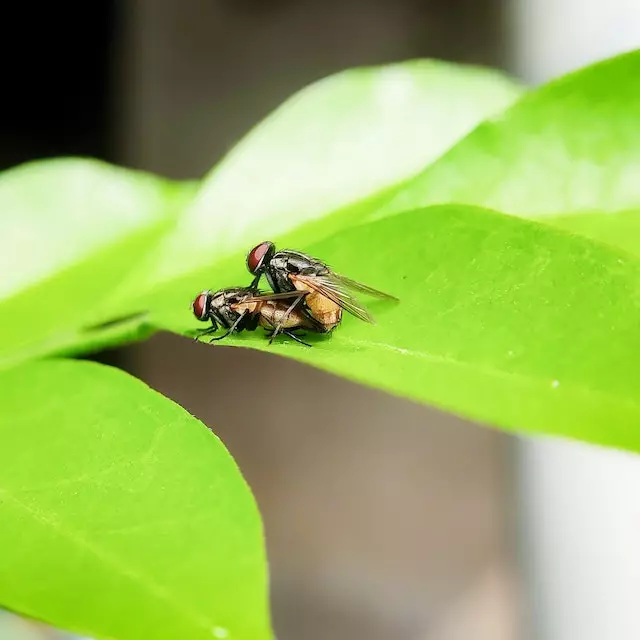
x=122, y=515
x=70, y=230
x=571, y=146
x=506, y=321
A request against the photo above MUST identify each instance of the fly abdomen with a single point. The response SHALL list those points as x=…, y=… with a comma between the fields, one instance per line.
x=274, y=313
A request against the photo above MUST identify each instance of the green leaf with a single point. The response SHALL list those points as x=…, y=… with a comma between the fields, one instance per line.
x=572, y=146
x=122, y=515
x=120, y=332
x=506, y=321
x=346, y=139
x=620, y=229
x=70, y=231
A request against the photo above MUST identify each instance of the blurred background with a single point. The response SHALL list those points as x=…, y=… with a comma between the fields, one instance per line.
x=384, y=519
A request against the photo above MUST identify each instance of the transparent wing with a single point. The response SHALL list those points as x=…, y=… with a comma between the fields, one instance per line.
x=331, y=287
x=348, y=283
x=258, y=296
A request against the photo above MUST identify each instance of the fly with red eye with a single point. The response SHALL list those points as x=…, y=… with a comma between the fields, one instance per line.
x=325, y=292
x=244, y=309
x=216, y=308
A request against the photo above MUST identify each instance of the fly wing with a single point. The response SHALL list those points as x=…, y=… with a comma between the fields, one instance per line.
x=258, y=296
x=330, y=286
x=348, y=283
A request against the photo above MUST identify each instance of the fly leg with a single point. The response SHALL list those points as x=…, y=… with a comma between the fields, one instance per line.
x=289, y=332
x=204, y=332
x=254, y=284
x=287, y=313
x=231, y=330
x=295, y=337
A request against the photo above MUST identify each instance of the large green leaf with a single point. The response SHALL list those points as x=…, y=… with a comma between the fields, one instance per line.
x=572, y=146
x=322, y=157
x=503, y=320
x=70, y=231
x=122, y=516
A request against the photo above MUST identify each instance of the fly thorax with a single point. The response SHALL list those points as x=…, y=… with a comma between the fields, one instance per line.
x=278, y=278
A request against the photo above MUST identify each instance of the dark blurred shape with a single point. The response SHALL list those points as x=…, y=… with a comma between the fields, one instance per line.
x=58, y=84
x=56, y=77
x=256, y=6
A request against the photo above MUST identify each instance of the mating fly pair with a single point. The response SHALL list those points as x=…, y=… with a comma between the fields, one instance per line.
x=307, y=294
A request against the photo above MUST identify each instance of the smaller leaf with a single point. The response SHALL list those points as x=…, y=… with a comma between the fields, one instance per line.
x=571, y=146
x=87, y=340
x=70, y=231
x=114, y=497
x=349, y=137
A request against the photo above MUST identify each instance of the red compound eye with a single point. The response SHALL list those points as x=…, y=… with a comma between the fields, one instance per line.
x=256, y=256
x=200, y=305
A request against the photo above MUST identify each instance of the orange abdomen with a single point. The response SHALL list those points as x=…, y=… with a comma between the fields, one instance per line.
x=324, y=310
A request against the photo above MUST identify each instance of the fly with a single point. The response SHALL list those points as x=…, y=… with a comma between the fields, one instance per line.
x=325, y=293
x=244, y=309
